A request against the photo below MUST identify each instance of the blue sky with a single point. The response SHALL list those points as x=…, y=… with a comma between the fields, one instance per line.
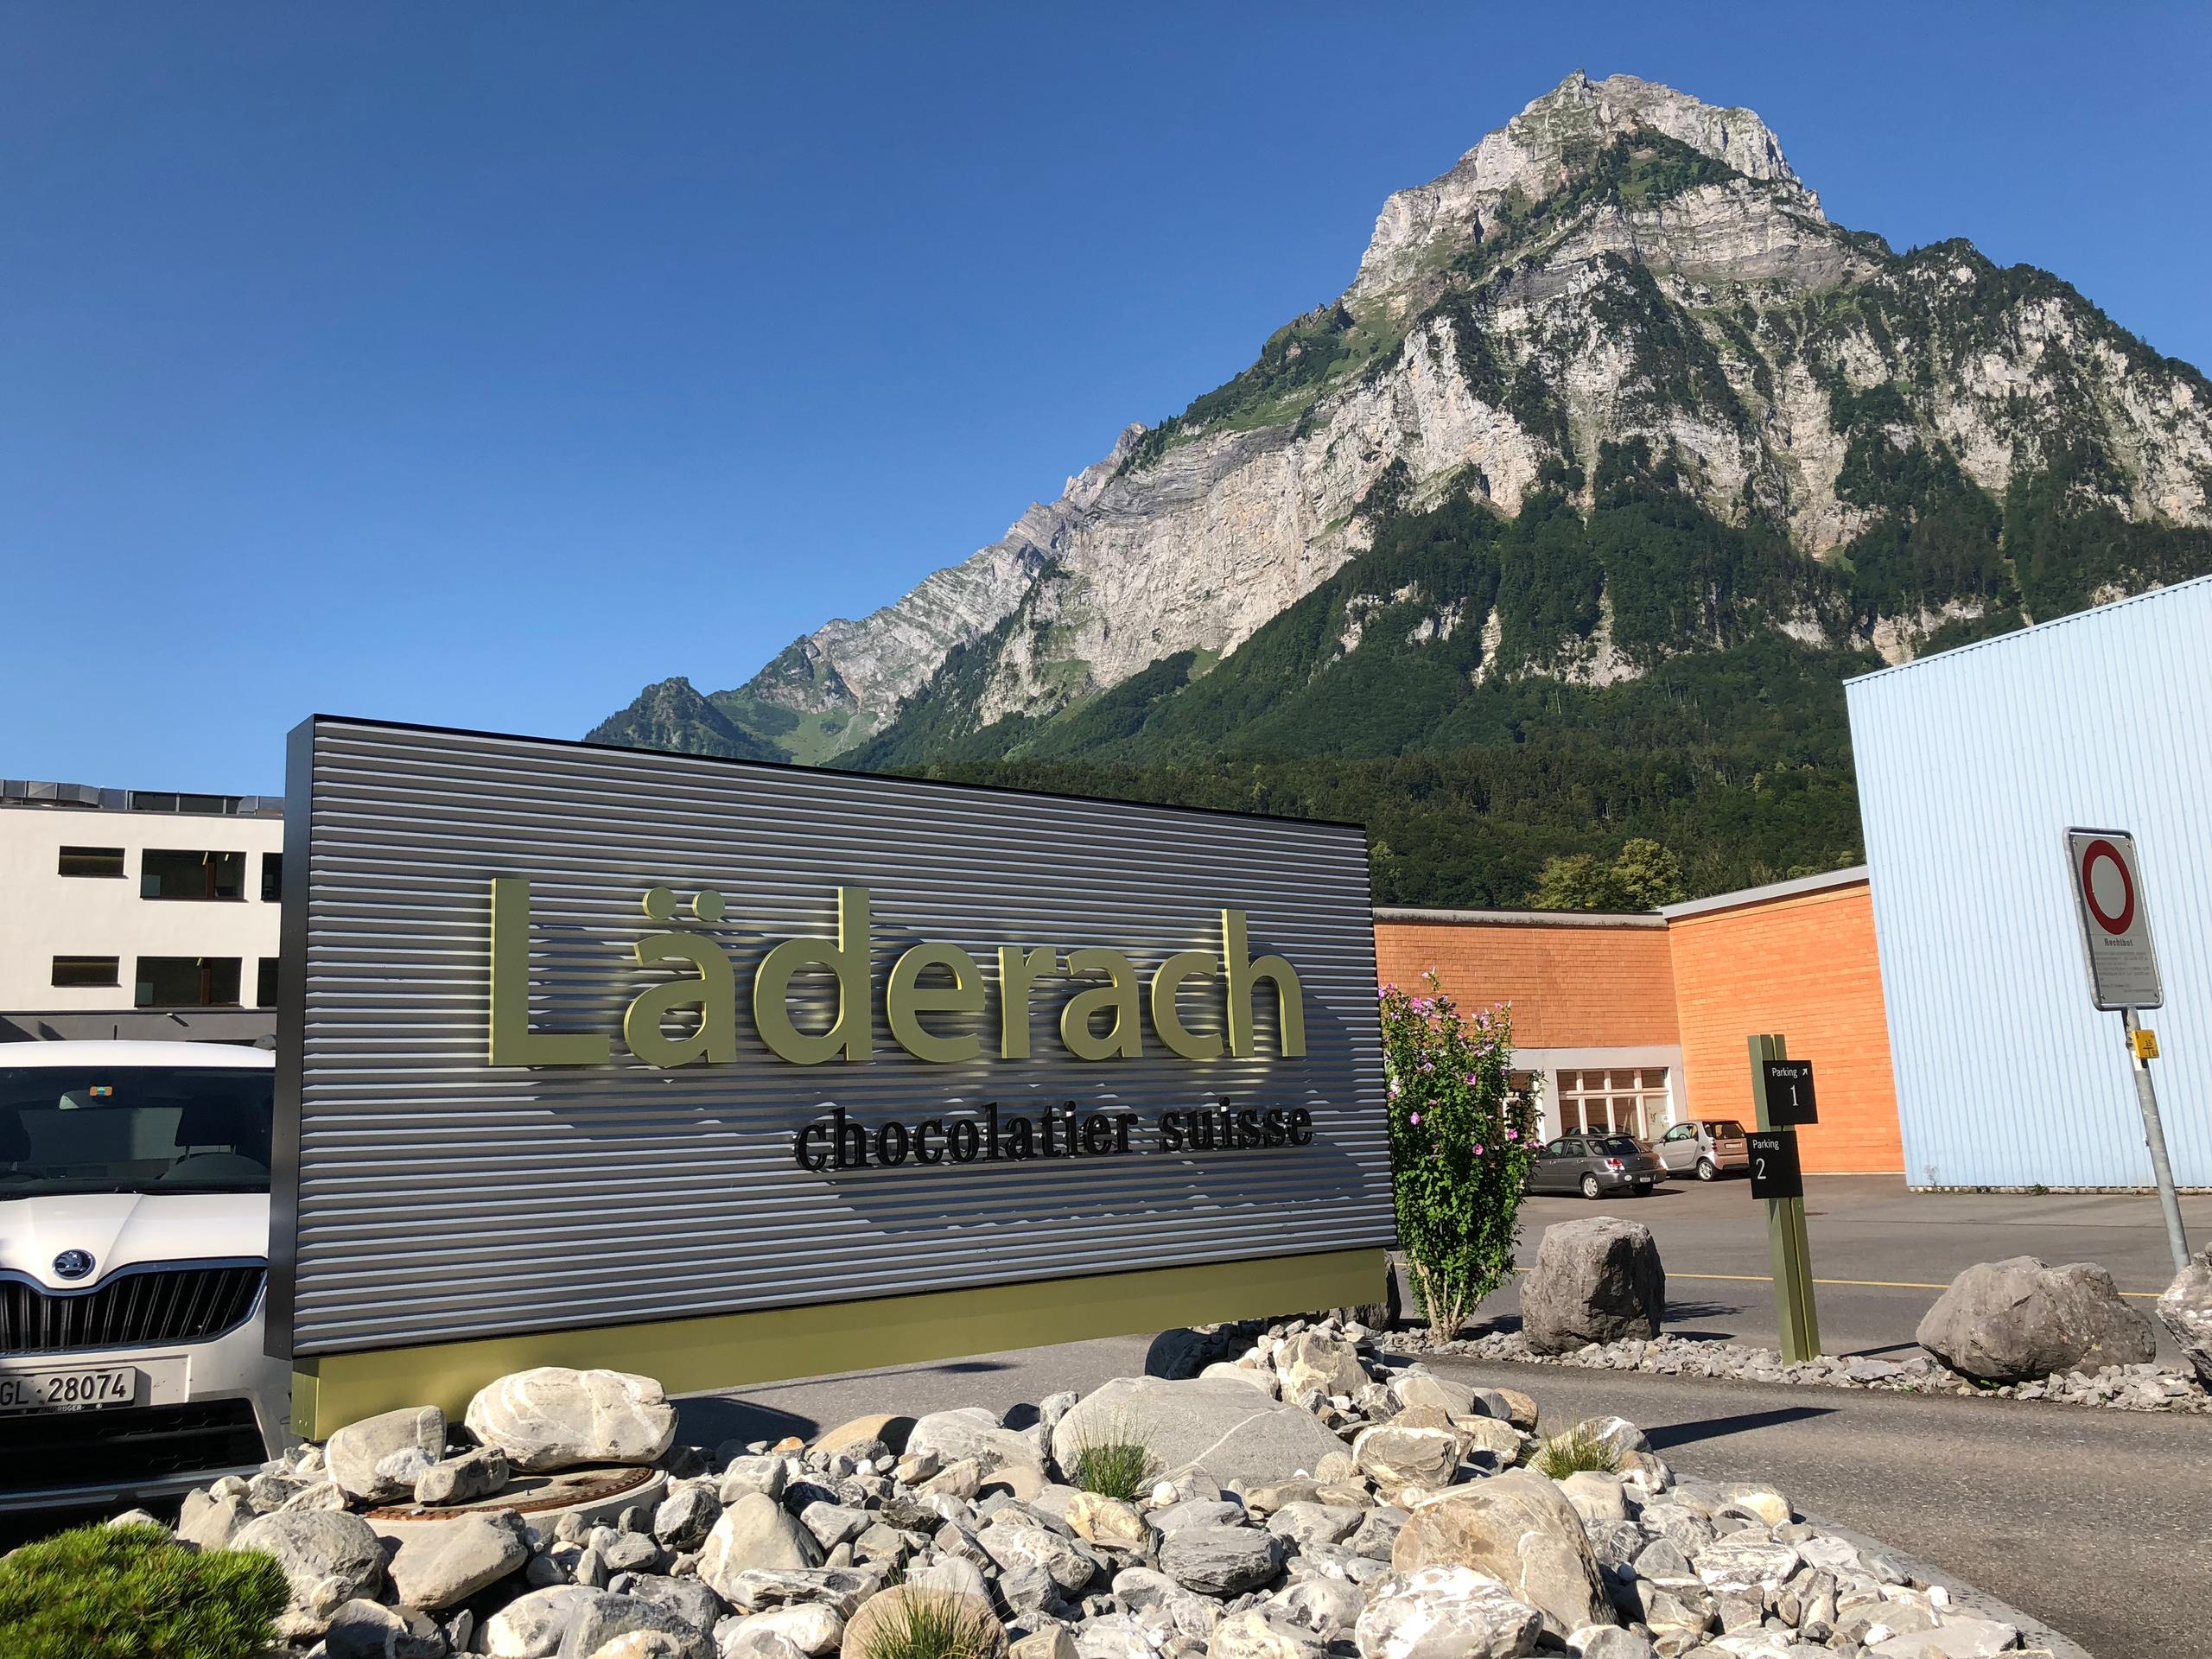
x=477, y=365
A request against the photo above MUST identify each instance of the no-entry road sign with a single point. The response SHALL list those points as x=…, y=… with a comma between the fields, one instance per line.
x=2115, y=920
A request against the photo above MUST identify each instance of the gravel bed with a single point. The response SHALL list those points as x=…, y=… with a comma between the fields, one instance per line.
x=2119, y=1387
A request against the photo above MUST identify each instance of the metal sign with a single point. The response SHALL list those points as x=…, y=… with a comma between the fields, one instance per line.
x=2115, y=920
x=1775, y=1170
x=1788, y=1088
x=580, y=1038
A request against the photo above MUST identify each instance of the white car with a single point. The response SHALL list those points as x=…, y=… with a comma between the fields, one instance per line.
x=134, y=1257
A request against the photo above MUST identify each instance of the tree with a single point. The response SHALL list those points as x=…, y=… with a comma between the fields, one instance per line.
x=1643, y=876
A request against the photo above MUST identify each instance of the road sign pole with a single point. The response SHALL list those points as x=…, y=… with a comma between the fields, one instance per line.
x=1788, y=1243
x=2154, y=1136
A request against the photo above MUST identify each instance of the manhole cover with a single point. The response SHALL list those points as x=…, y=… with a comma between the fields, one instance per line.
x=605, y=1489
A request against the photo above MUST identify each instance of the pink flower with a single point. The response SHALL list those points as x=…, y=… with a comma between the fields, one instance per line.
x=1471, y=1080
x=1478, y=1148
x=1415, y=1118
x=1512, y=1134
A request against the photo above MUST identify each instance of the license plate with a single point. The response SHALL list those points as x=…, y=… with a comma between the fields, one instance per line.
x=117, y=1385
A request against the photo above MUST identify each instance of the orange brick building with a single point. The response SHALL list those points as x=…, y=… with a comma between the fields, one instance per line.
x=1634, y=1021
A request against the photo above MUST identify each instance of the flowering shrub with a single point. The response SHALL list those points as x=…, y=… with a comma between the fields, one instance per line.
x=1461, y=1146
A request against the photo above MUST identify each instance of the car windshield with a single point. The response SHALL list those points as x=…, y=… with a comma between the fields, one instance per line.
x=1617, y=1146
x=1726, y=1128
x=141, y=1129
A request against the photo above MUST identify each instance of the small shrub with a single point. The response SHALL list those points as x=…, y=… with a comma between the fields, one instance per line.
x=1461, y=1141
x=1115, y=1466
x=131, y=1593
x=1572, y=1453
x=938, y=1626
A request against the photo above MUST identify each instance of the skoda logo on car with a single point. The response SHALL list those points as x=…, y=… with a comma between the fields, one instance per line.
x=74, y=1264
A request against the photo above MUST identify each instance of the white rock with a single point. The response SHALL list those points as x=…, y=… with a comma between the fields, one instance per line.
x=1447, y=1612
x=554, y=1418
x=356, y=1454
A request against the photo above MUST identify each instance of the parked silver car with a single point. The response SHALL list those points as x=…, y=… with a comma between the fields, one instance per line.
x=1706, y=1147
x=1595, y=1165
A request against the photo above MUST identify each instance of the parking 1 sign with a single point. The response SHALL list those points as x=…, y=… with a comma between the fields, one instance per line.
x=2115, y=920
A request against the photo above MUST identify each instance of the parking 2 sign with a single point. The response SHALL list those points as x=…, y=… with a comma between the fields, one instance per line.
x=2115, y=920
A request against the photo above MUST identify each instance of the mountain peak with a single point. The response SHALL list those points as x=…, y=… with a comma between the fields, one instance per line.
x=1542, y=149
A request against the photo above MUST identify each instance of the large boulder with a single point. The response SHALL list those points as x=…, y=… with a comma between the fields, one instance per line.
x=1397, y=1456
x=2186, y=1311
x=972, y=1433
x=604, y=1617
x=1447, y=1612
x=353, y=1452
x=1230, y=1429
x=755, y=1532
x=2012, y=1320
x=1313, y=1361
x=1221, y=1561
x=447, y=1562
x=888, y=1426
x=329, y=1559
x=1520, y=1529
x=531, y=1626
x=1594, y=1280
x=1186, y=1351
x=553, y=1418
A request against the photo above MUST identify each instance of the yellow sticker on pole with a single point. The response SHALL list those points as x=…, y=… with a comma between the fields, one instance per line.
x=2145, y=1042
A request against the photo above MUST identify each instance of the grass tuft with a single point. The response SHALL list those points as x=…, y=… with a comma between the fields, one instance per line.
x=1115, y=1466
x=931, y=1626
x=1573, y=1452
x=132, y=1592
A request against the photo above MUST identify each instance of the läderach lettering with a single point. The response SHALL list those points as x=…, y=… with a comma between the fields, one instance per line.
x=938, y=999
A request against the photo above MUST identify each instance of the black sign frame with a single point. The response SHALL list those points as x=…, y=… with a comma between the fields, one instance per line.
x=1788, y=1088
x=1776, y=1171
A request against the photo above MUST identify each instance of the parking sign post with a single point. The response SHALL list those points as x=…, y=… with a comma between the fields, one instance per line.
x=1791, y=1250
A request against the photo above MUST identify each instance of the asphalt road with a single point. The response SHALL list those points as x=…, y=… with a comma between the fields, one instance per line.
x=1882, y=1255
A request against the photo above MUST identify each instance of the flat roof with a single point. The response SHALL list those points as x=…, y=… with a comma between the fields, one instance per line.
x=1521, y=918
x=1803, y=884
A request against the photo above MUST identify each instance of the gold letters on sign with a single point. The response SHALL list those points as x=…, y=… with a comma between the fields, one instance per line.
x=1102, y=1019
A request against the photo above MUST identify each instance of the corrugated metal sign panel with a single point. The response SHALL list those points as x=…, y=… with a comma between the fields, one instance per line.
x=424, y=1195
x=1972, y=765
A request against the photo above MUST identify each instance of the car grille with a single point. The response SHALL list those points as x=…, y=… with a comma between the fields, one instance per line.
x=57, y=1449
x=132, y=1310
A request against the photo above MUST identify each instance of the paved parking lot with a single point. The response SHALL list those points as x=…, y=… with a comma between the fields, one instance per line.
x=1881, y=1254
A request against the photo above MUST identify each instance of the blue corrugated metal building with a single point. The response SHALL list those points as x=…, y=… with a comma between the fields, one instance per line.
x=1972, y=765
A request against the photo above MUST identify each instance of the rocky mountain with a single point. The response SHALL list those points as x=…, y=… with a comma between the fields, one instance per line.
x=1611, y=419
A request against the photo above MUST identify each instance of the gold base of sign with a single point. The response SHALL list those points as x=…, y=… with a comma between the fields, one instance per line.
x=724, y=1351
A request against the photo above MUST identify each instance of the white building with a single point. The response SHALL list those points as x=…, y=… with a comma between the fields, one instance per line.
x=1973, y=764
x=138, y=914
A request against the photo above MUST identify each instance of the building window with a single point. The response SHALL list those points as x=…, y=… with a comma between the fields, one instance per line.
x=1619, y=1100
x=1520, y=1104
x=264, y=983
x=166, y=874
x=76, y=973
x=272, y=877
x=161, y=800
x=187, y=982
x=91, y=861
